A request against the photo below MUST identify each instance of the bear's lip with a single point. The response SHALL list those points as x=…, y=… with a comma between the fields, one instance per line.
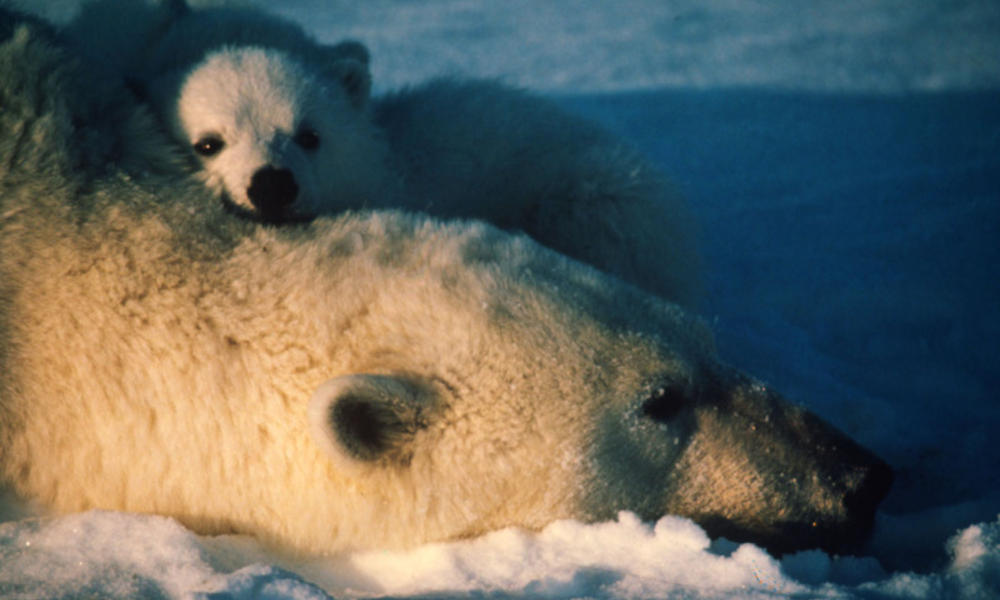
x=793, y=536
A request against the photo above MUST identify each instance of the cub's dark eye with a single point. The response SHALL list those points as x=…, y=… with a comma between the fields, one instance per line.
x=307, y=139
x=209, y=145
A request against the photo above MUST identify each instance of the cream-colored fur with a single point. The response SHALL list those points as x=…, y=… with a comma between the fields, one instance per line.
x=372, y=380
x=247, y=85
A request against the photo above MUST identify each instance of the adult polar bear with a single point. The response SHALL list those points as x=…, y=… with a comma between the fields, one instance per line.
x=374, y=380
x=283, y=127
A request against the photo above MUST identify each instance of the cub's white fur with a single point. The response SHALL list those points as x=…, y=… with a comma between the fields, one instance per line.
x=241, y=88
x=251, y=112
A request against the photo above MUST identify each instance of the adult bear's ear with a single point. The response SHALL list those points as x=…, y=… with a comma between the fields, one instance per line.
x=347, y=63
x=368, y=420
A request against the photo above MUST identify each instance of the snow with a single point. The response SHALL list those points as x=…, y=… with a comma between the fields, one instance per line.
x=117, y=555
x=843, y=159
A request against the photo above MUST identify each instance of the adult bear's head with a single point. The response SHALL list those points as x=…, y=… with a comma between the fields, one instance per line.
x=490, y=382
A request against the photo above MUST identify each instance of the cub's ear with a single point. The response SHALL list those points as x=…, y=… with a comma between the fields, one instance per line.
x=368, y=420
x=354, y=78
x=347, y=64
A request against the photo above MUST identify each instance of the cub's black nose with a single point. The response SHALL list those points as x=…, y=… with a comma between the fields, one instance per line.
x=272, y=191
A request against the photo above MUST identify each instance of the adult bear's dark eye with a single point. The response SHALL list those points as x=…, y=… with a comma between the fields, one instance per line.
x=665, y=403
x=209, y=145
x=307, y=139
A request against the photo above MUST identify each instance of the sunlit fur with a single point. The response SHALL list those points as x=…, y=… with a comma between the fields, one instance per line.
x=160, y=355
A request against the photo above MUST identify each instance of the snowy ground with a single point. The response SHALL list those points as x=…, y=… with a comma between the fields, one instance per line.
x=843, y=158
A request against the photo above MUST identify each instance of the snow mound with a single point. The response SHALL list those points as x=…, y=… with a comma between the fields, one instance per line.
x=120, y=555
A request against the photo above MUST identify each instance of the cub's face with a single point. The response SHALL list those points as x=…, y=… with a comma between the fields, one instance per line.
x=275, y=139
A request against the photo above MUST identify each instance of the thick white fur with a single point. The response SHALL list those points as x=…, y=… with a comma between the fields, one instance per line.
x=372, y=380
x=257, y=100
x=532, y=167
x=254, y=80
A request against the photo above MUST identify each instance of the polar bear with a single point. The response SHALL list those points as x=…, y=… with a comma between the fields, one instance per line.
x=371, y=380
x=284, y=129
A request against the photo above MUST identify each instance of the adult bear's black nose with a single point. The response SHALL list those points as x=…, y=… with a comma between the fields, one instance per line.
x=272, y=191
x=862, y=501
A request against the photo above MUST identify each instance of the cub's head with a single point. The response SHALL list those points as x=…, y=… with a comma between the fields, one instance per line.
x=277, y=138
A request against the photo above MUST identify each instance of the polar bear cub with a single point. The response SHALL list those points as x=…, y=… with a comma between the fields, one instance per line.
x=284, y=129
x=272, y=125
x=275, y=138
